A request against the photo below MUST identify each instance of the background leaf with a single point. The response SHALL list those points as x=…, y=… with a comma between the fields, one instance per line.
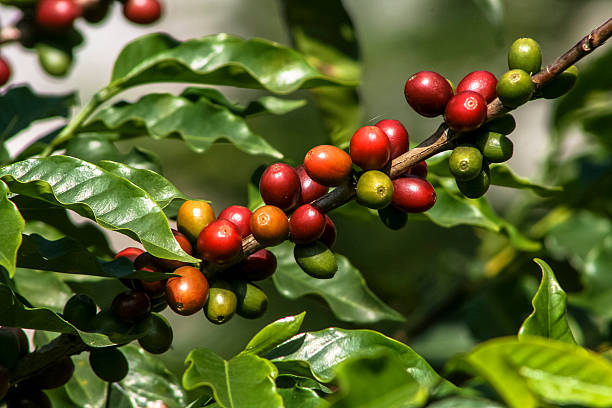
x=502, y=175
x=274, y=334
x=10, y=232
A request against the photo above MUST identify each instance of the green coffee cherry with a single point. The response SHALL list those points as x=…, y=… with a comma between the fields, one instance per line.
x=561, y=84
x=316, y=259
x=525, y=54
x=495, y=147
x=107, y=323
x=221, y=304
x=393, y=218
x=504, y=124
x=252, y=301
x=108, y=363
x=476, y=187
x=514, y=88
x=374, y=189
x=159, y=334
x=53, y=60
x=465, y=162
x=80, y=310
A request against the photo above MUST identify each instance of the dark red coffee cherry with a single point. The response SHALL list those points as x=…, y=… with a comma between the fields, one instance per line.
x=306, y=224
x=280, y=186
x=413, y=194
x=220, y=241
x=310, y=189
x=397, y=135
x=328, y=165
x=418, y=170
x=258, y=266
x=24, y=396
x=53, y=376
x=130, y=253
x=131, y=306
x=5, y=71
x=465, y=111
x=171, y=264
x=22, y=339
x=186, y=294
x=482, y=82
x=428, y=93
x=56, y=15
x=240, y=216
x=329, y=233
x=95, y=11
x=149, y=263
x=370, y=148
x=142, y=11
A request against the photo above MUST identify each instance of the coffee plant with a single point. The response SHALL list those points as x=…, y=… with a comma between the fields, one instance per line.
x=83, y=325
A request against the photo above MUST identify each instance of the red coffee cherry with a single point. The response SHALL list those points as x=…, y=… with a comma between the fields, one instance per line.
x=131, y=306
x=130, y=253
x=219, y=241
x=428, y=93
x=413, y=194
x=183, y=241
x=397, y=135
x=5, y=71
x=186, y=294
x=482, y=82
x=311, y=190
x=269, y=225
x=142, y=11
x=328, y=165
x=329, y=233
x=370, y=148
x=258, y=266
x=240, y=216
x=418, y=170
x=149, y=263
x=280, y=186
x=465, y=111
x=56, y=15
x=306, y=224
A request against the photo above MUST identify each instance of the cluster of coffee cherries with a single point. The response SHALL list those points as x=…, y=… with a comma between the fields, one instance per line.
x=48, y=27
x=465, y=110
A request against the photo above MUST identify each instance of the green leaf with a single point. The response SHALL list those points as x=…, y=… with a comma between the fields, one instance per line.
x=299, y=397
x=347, y=294
x=534, y=369
x=10, y=233
x=274, y=334
x=462, y=402
x=245, y=380
x=597, y=295
x=549, y=316
x=199, y=123
x=85, y=389
x=502, y=175
x=220, y=59
x=320, y=353
x=112, y=201
x=21, y=107
x=377, y=380
x=42, y=289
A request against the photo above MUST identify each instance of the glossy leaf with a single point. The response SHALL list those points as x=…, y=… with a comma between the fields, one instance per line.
x=549, y=316
x=113, y=202
x=220, y=59
x=274, y=334
x=10, y=232
x=199, y=123
x=298, y=397
x=245, y=380
x=534, y=369
x=502, y=175
x=42, y=289
x=347, y=294
x=85, y=389
x=463, y=402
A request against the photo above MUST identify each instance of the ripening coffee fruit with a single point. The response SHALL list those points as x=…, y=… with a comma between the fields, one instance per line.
x=5, y=71
x=131, y=306
x=476, y=187
x=329, y=233
x=94, y=12
x=219, y=241
x=53, y=376
x=515, y=88
x=108, y=363
x=310, y=189
x=56, y=15
x=142, y=11
x=370, y=148
x=413, y=194
x=269, y=225
x=222, y=303
x=55, y=61
x=482, y=82
x=397, y=135
x=504, y=124
x=495, y=147
x=148, y=263
x=192, y=217
x=258, y=266
x=465, y=162
x=374, y=189
x=158, y=337
x=419, y=170
x=186, y=294
x=306, y=224
x=316, y=259
x=428, y=93
x=130, y=253
x=185, y=244
x=22, y=339
x=393, y=218
x=328, y=165
x=280, y=186
x=252, y=301
x=80, y=310
x=465, y=111
x=525, y=54
x=240, y=216
x=10, y=348
x=561, y=84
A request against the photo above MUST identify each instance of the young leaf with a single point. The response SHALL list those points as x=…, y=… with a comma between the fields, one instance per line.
x=299, y=397
x=245, y=380
x=274, y=334
x=502, y=175
x=229, y=60
x=346, y=293
x=549, y=316
x=112, y=201
x=10, y=233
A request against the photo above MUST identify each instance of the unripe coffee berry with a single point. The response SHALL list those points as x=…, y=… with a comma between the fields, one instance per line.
x=171, y=264
x=186, y=294
x=280, y=186
x=393, y=218
x=495, y=147
x=374, y=189
x=240, y=216
x=311, y=190
x=56, y=15
x=329, y=233
x=525, y=54
x=465, y=162
x=370, y=148
x=131, y=306
x=258, y=266
x=328, y=165
x=269, y=225
x=477, y=186
x=504, y=124
x=142, y=11
x=306, y=224
x=515, y=88
x=428, y=92
x=465, y=111
x=561, y=84
x=482, y=82
x=413, y=194
x=5, y=71
x=193, y=216
x=219, y=241
x=397, y=135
